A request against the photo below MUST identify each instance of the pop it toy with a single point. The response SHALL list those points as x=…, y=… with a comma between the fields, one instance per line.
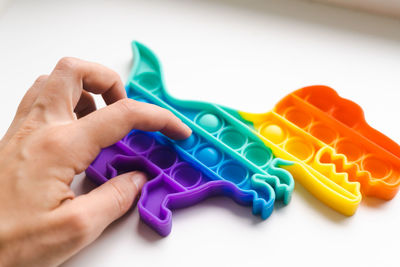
x=336, y=155
x=222, y=157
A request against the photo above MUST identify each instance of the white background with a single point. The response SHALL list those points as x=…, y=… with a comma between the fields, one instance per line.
x=244, y=54
x=387, y=7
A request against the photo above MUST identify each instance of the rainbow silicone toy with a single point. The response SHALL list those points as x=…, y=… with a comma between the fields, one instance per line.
x=232, y=153
x=222, y=157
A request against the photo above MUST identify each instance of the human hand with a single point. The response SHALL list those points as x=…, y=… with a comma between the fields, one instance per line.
x=56, y=133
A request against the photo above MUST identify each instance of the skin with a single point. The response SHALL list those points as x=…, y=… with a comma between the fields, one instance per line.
x=56, y=133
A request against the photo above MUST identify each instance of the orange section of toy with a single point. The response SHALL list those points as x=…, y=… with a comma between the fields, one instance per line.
x=373, y=159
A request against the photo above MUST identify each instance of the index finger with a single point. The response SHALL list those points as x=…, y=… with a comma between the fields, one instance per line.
x=108, y=125
x=64, y=86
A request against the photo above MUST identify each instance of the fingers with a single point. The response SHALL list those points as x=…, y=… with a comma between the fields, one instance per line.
x=106, y=126
x=97, y=209
x=85, y=105
x=64, y=86
x=25, y=106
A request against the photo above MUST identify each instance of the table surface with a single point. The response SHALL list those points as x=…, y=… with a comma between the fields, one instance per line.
x=243, y=54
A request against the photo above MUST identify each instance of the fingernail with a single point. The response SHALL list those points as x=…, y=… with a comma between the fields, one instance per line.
x=187, y=130
x=139, y=179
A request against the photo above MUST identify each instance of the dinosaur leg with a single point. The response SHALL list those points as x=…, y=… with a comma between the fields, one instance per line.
x=166, y=195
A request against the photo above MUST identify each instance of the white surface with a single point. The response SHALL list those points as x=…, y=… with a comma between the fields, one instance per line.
x=3, y=4
x=244, y=54
x=386, y=7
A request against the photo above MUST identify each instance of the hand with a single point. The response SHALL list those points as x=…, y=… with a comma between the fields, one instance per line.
x=56, y=133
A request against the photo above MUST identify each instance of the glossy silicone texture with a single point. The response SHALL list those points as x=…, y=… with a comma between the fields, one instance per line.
x=175, y=183
x=371, y=158
x=334, y=149
x=222, y=157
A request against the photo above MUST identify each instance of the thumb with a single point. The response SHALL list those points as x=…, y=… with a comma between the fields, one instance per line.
x=111, y=200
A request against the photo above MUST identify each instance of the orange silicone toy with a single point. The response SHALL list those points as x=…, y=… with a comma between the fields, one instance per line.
x=373, y=159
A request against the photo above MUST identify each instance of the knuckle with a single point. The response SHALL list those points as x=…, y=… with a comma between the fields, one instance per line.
x=42, y=102
x=42, y=78
x=54, y=139
x=127, y=105
x=24, y=131
x=116, y=76
x=168, y=113
x=68, y=63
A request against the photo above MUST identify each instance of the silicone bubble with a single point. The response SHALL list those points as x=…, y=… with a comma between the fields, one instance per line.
x=324, y=133
x=140, y=142
x=378, y=168
x=300, y=149
x=208, y=155
x=188, y=143
x=232, y=138
x=273, y=132
x=348, y=148
x=186, y=175
x=233, y=172
x=321, y=99
x=209, y=122
x=258, y=154
x=149, y=80
x=298, y=117
x=342, y=115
